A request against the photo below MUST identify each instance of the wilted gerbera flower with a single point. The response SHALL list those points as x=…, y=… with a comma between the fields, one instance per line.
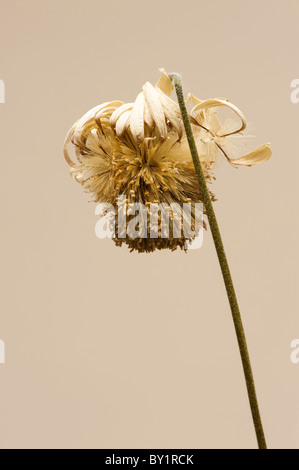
x=139, y=150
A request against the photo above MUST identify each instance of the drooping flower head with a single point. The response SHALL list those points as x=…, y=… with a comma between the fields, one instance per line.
x=139, y=150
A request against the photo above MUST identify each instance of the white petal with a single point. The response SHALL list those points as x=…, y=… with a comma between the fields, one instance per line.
x=259, y=155
x=89, y=116
x=119, y=111
x=104, y=113
x=148, y=118
x=136, y=118
x=155, y=107
x=122, y=123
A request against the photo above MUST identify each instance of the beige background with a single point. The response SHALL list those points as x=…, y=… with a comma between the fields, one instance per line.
x=109, y=349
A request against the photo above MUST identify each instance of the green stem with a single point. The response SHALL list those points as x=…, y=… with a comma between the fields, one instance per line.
x=224, y=267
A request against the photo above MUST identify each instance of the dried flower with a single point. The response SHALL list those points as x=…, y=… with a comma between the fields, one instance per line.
x=140, y=150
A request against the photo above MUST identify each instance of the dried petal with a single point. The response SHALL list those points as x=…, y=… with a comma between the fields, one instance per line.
x=259, y=155
x=136, y=118
x=148, y=118
x=122, y=123
x=155, y=107
x=220, y=102
x=164, y=83
x=119, y=111
x=172, y=112
x=89, y=116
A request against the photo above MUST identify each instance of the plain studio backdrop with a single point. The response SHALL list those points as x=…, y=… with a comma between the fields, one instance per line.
x=111, y=349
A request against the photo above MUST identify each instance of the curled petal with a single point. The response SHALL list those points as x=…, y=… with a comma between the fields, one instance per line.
x=200, y=118
x=155, y=107
x=79, y=125
x=122, y=123
x=220, y=102
x=119, y=111
x=259, y=155
x=67, y=141
x=136, y=118
x=79, y=139
x=89, y=116
x=103, y=115
x=108, y=111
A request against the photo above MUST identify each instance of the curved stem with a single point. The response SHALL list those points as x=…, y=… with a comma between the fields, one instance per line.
x=224, y=267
